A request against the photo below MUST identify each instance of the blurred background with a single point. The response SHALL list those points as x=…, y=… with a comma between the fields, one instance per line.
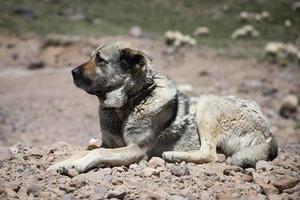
x=247, y=48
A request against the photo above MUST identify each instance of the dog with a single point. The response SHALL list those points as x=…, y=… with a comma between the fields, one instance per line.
x=142, y=114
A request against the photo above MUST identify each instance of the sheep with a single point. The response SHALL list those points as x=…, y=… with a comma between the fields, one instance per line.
x=177, y=39
x=281, y=53
x=201, y=31
x=252, y=16
x=247, y=31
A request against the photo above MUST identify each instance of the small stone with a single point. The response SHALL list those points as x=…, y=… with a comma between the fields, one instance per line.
x=285, y=182
x=15, y=186
x=247, y=178
x=36, y=65
x=264, y=165
x=289, y=105
x=77, y=183
x=275, y=197
x=179, y=170
x=148, y=171
x=67, y=189
x=178, y=197
x=99, y=193
x=72, y=172
x=266, y=188
x=68, y=197
x=135, y=31
x=249, y=171
x=33, y=189
x=293, y=189
x=116, y=181
x=155, y=162
x=221, y=158
x=118, y=193
x=94, y=144
x=5, y=154
x=228, y=171
x=10, y=192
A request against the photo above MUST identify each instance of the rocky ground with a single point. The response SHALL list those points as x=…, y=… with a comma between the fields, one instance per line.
x=23, y=175
x=40, y=107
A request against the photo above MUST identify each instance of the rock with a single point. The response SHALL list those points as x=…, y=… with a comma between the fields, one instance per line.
x=286, y=182
x=155, y=162
x=33, y=189
x=179, y=170
x=77, y=183
x=263, y=165
x=68, y=197
x=36, y=65
x=228, y=171
x=266, y=188
x=72, y=173
x=148, y=171
x=118, y=193
x=15, y=186
x=5, y=154
x=178, y=197
x=94, y=144
x=116, y=181
x=293, y=189
x=249, y=171
x=135, y=31
x=289, y=105
x=10, y=193
x=221, y=158
x=99, y=193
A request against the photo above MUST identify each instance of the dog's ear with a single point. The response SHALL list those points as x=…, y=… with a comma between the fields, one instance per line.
x=132, y=59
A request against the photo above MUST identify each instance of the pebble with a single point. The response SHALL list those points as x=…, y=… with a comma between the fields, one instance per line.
x=266, y=188
x=221, y=158
x=33, y=189
x=289, y=105
x=179, y=170
x=118, y=193
x=94, y=144
x=285, y=182
x=155, y=162
x=148, y=171
x=5, y=154
x=15, y=186
x=36, y=65
x=263, y=165
x=135, y=31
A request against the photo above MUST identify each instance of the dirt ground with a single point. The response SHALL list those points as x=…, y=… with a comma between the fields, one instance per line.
x=48, y=117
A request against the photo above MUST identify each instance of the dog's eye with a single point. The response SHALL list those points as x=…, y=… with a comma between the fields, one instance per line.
x=100, y=60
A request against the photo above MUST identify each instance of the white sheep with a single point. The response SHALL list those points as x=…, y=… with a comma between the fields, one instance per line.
x=281, y=53
x=177, y=39
x=247, y=31
x=201, y=31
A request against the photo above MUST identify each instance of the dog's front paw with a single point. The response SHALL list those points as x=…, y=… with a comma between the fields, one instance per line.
x=61, y=167
x=168, y=156
x=79, y=166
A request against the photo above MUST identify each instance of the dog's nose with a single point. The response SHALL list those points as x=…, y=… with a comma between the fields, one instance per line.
x=76, y=72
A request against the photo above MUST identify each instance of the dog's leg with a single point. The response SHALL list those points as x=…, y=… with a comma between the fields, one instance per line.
x=207, y=152
x=103, y=156
x=209, y=131
x=60, y=167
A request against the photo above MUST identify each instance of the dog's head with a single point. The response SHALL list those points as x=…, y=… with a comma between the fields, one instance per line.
x=113, y=72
